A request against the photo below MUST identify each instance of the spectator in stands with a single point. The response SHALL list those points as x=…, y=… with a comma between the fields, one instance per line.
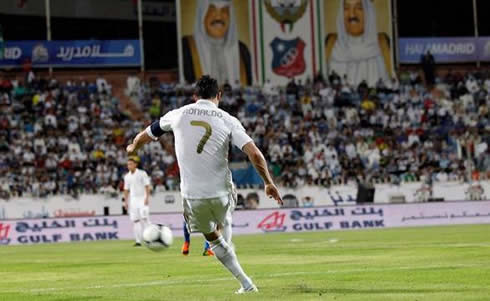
x=308, y=202
x=428, y=65
x=102, y=85
x=132, y=85
x=252, y=201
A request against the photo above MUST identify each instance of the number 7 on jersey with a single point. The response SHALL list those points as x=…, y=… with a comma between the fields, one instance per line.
x=206, y=136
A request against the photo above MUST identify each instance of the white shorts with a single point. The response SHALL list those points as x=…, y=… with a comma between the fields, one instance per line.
x=138, y=213
x=204, y=215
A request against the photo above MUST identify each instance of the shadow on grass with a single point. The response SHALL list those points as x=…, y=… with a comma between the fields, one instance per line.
x=305, y=289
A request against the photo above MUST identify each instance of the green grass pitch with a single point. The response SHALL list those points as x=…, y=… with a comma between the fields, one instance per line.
x=434, y=263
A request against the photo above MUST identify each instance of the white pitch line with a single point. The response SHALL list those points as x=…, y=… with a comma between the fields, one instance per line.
x=122, y=285
x=274, y=275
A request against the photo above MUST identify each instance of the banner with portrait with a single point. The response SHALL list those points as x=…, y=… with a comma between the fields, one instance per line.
x=214, y=39
x=359, y=40
x=259, y=40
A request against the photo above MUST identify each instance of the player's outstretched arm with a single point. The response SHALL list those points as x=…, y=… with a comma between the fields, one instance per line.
x=141, y=139
x=257, y=158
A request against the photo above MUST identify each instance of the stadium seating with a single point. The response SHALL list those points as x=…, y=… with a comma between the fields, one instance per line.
x=69, y=137
x=328, y=132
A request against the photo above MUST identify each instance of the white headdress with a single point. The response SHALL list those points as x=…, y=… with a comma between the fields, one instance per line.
x=359, y=58
x=229, y=44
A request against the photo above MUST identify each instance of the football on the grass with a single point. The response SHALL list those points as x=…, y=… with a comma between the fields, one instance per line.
x=157, y=237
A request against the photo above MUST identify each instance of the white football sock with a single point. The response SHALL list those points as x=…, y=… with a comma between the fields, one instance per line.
x=227, y=257
x=144, y=223
x=137, y=231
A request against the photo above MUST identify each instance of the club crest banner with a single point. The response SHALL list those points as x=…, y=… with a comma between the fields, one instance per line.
x=286, y=39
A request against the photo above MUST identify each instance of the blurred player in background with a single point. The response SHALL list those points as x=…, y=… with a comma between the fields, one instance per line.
x=202, y=134
x=187, y=244
x=137, y=190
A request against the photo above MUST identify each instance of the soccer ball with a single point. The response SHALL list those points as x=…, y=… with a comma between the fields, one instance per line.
x=157, y=237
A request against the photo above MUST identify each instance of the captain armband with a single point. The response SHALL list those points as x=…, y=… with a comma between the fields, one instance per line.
x=154, y=130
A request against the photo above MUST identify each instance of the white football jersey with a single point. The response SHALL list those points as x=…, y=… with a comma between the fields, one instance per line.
x=202, y=134
x=135, y=183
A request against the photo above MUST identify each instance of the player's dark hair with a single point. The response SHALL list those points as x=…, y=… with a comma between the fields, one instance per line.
x=206, y=87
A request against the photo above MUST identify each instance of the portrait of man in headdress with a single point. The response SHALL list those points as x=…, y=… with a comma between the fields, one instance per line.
x=357, y=50
x=214, y=47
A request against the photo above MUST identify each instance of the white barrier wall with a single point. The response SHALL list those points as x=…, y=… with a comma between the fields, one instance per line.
x=93, y=205
x=54, y=230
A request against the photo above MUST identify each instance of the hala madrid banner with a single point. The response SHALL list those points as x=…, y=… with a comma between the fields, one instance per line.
x=258, y=40
x=445, y=50
x=75, y=53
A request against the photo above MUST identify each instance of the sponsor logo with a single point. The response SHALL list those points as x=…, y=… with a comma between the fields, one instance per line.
x=169, y=199
x=274, y=222
x=4, y=234
x=43, y=213
x=73, y=213
x=129, y=50
x=40, y=54
x=339, y=198
x=286, y=12
x=288, y=57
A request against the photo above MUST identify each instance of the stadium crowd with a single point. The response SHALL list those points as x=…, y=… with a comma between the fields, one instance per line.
x=326, y=131
x=58, y=138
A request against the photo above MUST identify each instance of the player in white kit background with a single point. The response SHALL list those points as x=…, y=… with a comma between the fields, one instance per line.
x=137, y=198
x=202, y=134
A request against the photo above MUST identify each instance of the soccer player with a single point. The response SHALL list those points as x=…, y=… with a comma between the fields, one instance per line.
x=202, y=133
x=137, y=190
x=187, y=236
